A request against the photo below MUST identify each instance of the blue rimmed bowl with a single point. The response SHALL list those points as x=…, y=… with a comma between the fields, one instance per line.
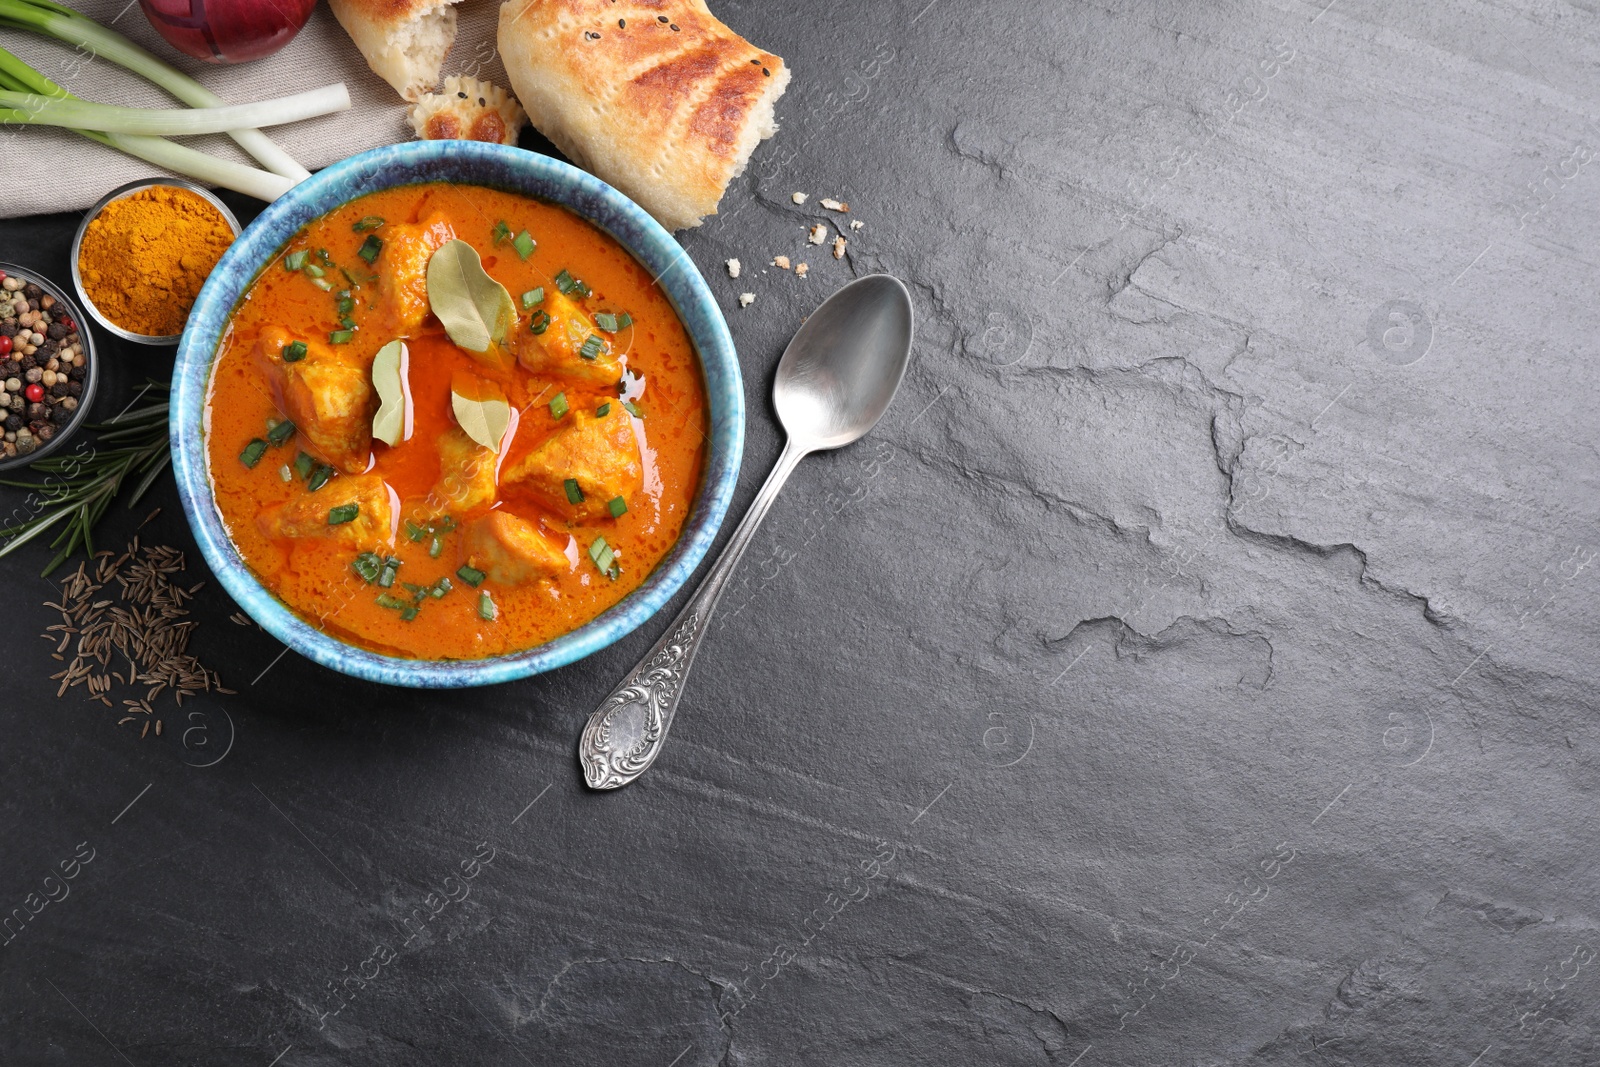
x=472, y=163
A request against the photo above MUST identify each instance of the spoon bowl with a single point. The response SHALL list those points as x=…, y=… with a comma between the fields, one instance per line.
x=843, y=365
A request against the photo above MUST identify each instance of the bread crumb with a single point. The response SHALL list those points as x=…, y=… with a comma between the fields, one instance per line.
x=800, y=270
x=856, y=224
x=733, y=268
x=835, y=205
x=468, y=109
x=819, y=233
x=838, y=247
x=781, y=262
x=746, y=299
x=798, y=198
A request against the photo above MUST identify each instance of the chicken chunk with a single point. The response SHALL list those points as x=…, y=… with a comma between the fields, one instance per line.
x=512, y=550
x=325, y=392
x=316, y=514
x=402, y=268
x=466, y=475
x=599, y=453
x=558, y=351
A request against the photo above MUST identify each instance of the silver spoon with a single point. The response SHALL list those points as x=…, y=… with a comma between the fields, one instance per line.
x=834, y=382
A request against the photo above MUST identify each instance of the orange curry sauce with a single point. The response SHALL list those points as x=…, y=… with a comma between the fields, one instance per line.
x=314, y=574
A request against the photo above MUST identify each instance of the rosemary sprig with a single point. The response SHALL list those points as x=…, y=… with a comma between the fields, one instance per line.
x=81, y=487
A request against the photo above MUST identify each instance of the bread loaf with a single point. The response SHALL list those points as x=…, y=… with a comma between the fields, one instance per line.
x=404, y=41
x=656, y=97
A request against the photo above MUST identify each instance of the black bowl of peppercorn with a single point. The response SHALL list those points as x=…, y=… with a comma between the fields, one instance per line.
x=47, y=367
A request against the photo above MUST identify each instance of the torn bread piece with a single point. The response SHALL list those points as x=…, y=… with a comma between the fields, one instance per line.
x=404, y=41
x=657, y=97
x=466, y=109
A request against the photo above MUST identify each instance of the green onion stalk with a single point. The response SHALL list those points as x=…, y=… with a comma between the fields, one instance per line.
x=71, y=27
x=31, y=109
x=17, y=76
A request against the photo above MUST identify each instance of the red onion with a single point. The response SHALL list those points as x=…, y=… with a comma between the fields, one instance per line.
x=228, y=31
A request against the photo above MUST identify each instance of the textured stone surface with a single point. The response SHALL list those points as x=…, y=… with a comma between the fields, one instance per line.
x=1197, y=667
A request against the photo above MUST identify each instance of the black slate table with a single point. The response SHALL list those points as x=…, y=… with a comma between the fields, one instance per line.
x=1198, y=666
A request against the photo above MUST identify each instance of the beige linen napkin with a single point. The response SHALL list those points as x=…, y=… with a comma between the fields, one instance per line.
x=54, y=170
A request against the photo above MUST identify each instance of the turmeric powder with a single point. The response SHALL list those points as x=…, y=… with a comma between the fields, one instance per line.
x=145, y=256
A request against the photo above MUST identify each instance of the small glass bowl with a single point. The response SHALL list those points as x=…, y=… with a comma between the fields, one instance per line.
x=91, y=368
x=117, y=194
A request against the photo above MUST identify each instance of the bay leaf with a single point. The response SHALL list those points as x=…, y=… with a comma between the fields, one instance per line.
x=392, y=423
x=475, y=309
x=481, y=408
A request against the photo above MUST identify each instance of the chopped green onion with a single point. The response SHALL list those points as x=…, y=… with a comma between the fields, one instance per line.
x=370, y=248
x=501, y=232
x=322, y=283
x=436, y=547
x=340, y=337
x=569, y=285
x=367, y=565
x=603, y=410
x=347, y=322
x=319, y=477
x=371, y=222
x=539, y=323
x=303, y=465
x=633, y=409
x=574, y=493
x=322, y=254
x=440, y=588
x=393, y=603
x=612, y=323
x=471, y=575
x=408, y=612
x=486, y=608
x=343, y=513
x=414, y=531
x=295, y=260
x=253, y=452
x=558, y=406
x=617, y=506
x=524, y=244
x=347, y=303
x=386, y=576
x=311, y=270
x=605, y=558
x=443, y=524
x=281, y=432
x=294, y=352
x=532, y=297
x=351, y=278
x=592, y=347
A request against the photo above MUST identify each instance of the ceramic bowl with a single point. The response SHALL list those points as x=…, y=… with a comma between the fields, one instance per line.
x=91, y=377
x=93, y=213
x=501, y=167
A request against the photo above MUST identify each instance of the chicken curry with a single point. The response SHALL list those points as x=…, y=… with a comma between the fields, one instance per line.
x=450, y=422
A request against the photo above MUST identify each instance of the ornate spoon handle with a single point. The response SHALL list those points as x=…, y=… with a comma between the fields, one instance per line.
x=625, y=733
